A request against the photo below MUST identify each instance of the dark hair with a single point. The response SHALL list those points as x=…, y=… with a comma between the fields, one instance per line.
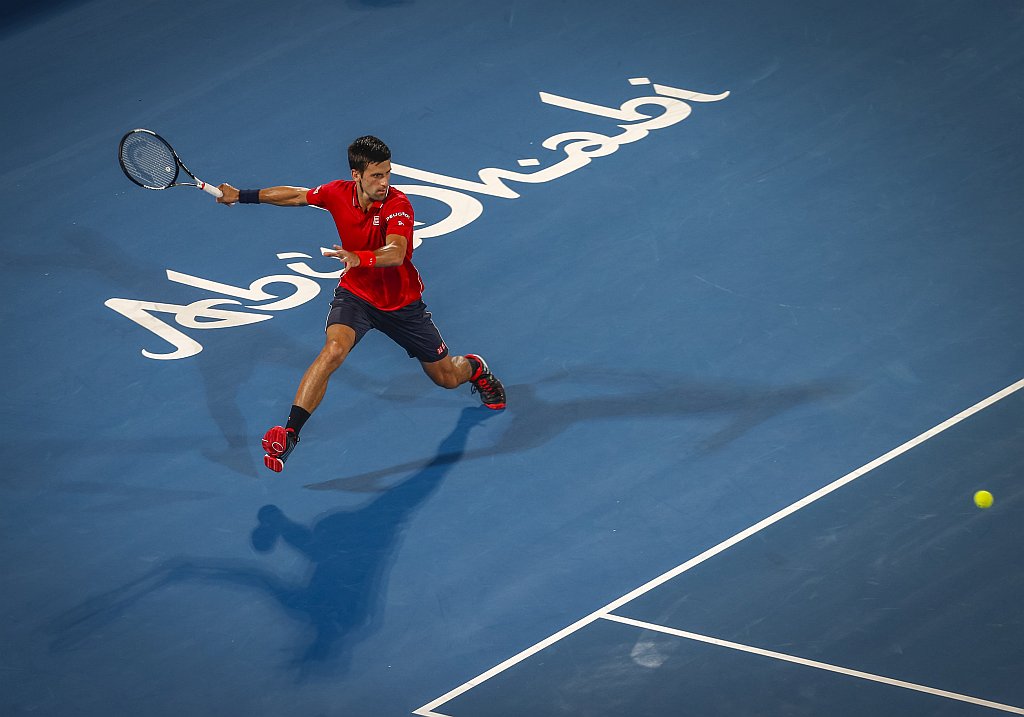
x=367, y=150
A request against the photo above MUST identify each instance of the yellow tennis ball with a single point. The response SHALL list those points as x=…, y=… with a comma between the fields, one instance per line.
x=983, y=499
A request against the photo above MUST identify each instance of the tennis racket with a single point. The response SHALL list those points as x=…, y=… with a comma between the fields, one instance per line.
x=149, y=160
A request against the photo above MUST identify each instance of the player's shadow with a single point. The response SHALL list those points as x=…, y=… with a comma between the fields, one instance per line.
x=533, y=419
x=349, y=553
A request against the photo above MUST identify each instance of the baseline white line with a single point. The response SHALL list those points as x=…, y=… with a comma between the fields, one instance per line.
x=428, y=709
x=817, y=665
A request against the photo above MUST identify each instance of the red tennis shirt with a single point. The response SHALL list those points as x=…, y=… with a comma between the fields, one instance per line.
x=386, y=287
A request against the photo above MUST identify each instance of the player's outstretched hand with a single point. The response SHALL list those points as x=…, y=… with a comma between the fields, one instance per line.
x=345, y=257
x=230, y=194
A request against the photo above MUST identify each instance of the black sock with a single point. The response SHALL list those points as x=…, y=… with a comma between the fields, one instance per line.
x=474, y=366
x=297, y=418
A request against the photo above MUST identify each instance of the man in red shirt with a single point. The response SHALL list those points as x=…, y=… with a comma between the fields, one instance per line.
x=379, y=288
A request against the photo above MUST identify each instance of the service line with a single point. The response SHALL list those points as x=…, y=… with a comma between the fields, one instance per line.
x=815, y=664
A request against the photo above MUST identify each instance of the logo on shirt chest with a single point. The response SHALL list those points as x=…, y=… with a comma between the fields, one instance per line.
x=376, y=220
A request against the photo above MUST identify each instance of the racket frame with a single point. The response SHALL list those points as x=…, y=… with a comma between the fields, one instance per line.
x=199, y=184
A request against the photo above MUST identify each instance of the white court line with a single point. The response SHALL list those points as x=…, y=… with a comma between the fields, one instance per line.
x=817, y=665
x=428, y=709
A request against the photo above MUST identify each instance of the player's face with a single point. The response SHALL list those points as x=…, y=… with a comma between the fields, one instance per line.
x=374, y=180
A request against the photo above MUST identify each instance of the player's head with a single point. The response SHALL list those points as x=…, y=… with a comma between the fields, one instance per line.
x=370, y=161
x=367, y=150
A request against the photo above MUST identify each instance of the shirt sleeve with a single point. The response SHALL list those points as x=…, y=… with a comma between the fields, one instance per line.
x=398, y=220
x=320, y=195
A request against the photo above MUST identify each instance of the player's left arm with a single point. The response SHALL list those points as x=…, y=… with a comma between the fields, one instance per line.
x=399, y=227
x=393, y=251
x=396, y=247
x=391, y=254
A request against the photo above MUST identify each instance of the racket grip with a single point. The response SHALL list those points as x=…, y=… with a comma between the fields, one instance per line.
x=210, y=189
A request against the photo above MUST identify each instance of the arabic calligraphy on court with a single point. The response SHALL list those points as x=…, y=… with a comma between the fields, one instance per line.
x=577, y=149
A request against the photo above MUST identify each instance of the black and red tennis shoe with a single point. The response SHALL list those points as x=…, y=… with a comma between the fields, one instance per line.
x=278, y=443
x=492, y=393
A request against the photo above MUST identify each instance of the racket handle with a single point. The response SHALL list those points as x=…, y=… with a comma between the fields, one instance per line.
x=210, y=189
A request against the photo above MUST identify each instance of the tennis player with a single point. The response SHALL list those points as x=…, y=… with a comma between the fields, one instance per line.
x=379, y=288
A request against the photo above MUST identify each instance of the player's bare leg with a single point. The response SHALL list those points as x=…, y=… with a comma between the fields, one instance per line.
x=453, y=371
x=340, y=340
x=279, y=441
x=449, y=372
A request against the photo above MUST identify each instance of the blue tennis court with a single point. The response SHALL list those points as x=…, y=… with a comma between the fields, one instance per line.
x=748, y=271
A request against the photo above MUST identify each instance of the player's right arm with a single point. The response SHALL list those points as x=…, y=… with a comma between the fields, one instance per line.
x=278, y=196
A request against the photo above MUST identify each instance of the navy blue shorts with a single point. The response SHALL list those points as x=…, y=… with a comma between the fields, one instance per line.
x=410, y=327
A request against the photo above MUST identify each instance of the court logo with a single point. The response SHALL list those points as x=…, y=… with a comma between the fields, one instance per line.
x=580, y=149
x=574, y=150
x=223, y=313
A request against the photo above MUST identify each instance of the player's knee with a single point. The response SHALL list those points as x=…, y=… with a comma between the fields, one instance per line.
x=334, y=354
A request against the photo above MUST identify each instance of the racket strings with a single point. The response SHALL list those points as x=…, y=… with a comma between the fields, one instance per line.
x=149, y=161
